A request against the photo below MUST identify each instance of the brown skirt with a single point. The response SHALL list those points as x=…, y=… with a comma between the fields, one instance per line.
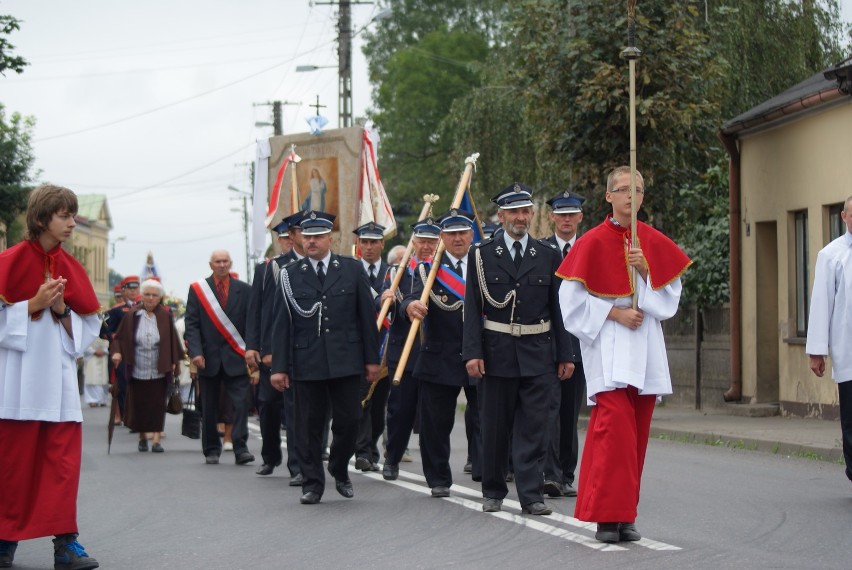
x=145, y=410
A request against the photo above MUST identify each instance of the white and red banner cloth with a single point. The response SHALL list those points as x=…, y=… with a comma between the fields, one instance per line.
x=217, y=315
x=260, y=211
x=374, y=205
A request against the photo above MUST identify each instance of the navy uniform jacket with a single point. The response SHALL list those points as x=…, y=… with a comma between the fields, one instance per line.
x=113, y=319
x=204, y=339
x=344, y=340
x=400, y=325
x=271, y=295
x=379, y=281
x=255, y=310
x=440, y=359
x=537, y=301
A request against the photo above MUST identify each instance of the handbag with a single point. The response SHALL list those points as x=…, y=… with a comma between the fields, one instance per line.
x=191, y=422
x=175, y=404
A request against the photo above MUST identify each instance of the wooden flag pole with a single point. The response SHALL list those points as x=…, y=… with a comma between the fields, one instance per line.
x=470, y=162
x=632, y=53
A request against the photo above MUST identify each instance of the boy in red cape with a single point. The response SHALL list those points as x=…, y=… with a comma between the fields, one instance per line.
x=48, y=317
x=623, y=349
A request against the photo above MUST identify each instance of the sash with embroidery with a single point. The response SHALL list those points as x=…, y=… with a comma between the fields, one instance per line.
x=217, y=315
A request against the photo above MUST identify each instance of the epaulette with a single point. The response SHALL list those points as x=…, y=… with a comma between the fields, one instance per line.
x=545, y=241
x=486, y=241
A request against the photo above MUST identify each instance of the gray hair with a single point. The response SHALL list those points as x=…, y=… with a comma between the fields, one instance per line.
x=395, y=254
x=152, y=284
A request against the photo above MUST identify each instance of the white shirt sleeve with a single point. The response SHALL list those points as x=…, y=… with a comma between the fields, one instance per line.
x=661, y=304
x=821, y=307
x=583, y=314
x=13, y=326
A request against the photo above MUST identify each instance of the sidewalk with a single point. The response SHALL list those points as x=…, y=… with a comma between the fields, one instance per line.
x=802, y=437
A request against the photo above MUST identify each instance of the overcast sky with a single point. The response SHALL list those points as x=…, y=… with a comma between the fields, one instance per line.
x=151, y=104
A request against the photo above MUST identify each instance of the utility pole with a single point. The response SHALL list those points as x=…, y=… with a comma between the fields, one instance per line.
x=277, y=128
x=344, y=59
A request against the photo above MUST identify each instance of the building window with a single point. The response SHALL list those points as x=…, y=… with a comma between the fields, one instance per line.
x=802, y=297
x=836, y=227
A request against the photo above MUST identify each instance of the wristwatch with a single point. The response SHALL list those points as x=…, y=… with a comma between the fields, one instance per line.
x=63, y=314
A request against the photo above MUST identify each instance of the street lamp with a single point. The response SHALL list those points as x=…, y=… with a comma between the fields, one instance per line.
x=112, y=246
x=246, y=196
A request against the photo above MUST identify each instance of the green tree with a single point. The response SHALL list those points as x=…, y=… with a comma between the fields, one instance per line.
x=9, y=61
x=421, y=82
x=16, y=161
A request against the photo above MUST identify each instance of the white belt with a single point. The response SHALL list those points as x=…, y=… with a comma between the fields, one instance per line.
x=516, y=329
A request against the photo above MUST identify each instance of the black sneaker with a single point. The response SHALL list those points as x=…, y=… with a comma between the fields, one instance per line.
x=68, y=554
x=7, y=553
x=143, y=445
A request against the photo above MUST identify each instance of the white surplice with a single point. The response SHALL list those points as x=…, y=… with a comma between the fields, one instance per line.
x=830, y=318
x=615, y=356
x=38, y=364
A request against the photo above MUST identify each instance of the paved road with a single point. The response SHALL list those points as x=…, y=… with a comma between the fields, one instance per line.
x=702, y=507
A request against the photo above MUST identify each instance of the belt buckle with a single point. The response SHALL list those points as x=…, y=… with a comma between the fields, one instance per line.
x=515, y=329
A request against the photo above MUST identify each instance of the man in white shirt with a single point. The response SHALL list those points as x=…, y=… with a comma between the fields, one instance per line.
x=830, y=326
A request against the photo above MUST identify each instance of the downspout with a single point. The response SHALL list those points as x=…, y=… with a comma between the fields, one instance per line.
x=735, y=391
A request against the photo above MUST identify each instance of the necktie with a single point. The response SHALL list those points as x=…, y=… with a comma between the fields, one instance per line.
x=459, y=268
x=220, y=292
x=372, y=269
x=565, y=249
x=519, y=254
x=320, y=273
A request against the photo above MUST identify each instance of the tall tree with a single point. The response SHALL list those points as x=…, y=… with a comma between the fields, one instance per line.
x=16, y=161
x=9, y=61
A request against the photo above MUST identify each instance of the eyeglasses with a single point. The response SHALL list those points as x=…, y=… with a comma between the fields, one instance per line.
x=623, y=189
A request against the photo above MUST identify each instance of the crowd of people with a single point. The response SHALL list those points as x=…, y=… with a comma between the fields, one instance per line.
x=526, y=328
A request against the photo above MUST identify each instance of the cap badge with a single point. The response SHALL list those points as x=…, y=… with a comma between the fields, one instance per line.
x=566, y=194
x=313, y=216
x=517, y=187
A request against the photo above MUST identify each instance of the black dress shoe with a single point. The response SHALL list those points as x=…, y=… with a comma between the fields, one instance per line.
x=537, y=509
x=390, y=472
x=468, y=467
x=310, y=498
x=363, y=464
x=143, y=445
x=492, y=505
x=627, y=532
x=244, y=457
x=344, y=488
x=568, y=490
x=265, y=469
x=607, y=532
x=440, y=492
x=211, y=460
x=510, y=476
x=552, y=489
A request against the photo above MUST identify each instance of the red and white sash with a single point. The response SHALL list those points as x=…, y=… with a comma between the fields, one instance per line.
x=220, y=320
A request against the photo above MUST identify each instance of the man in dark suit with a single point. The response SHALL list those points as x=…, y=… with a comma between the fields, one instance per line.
x=271, y=402
x=515, y=341
x=440, y=368
x=216, y=315
x=371, y=242
x=403, y=398
x=325, y=335
x=563, y=447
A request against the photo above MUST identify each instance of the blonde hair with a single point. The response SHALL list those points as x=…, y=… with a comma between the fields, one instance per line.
x=618, y=171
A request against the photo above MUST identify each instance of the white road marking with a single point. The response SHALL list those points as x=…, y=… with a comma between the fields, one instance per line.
x=419, y=486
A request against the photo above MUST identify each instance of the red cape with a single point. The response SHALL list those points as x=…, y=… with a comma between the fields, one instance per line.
x=598, y=259
x=24, y=267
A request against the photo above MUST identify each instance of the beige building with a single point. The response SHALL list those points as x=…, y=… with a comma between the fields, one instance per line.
x=90, y=242
x=791, y=170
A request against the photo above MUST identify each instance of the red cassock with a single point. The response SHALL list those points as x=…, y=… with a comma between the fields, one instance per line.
x=40, y=461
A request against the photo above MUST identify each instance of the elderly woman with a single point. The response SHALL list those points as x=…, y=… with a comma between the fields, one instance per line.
x=150, y=348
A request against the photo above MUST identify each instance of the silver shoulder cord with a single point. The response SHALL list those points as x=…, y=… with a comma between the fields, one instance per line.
x=483, y=288
x=434, y=298
x=288, y=295
x=397, y=293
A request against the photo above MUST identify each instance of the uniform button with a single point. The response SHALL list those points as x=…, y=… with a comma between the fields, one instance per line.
x=326, y=330
x=325, y=318
x=325, y=307
x=323, y=296
x=517, y=284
